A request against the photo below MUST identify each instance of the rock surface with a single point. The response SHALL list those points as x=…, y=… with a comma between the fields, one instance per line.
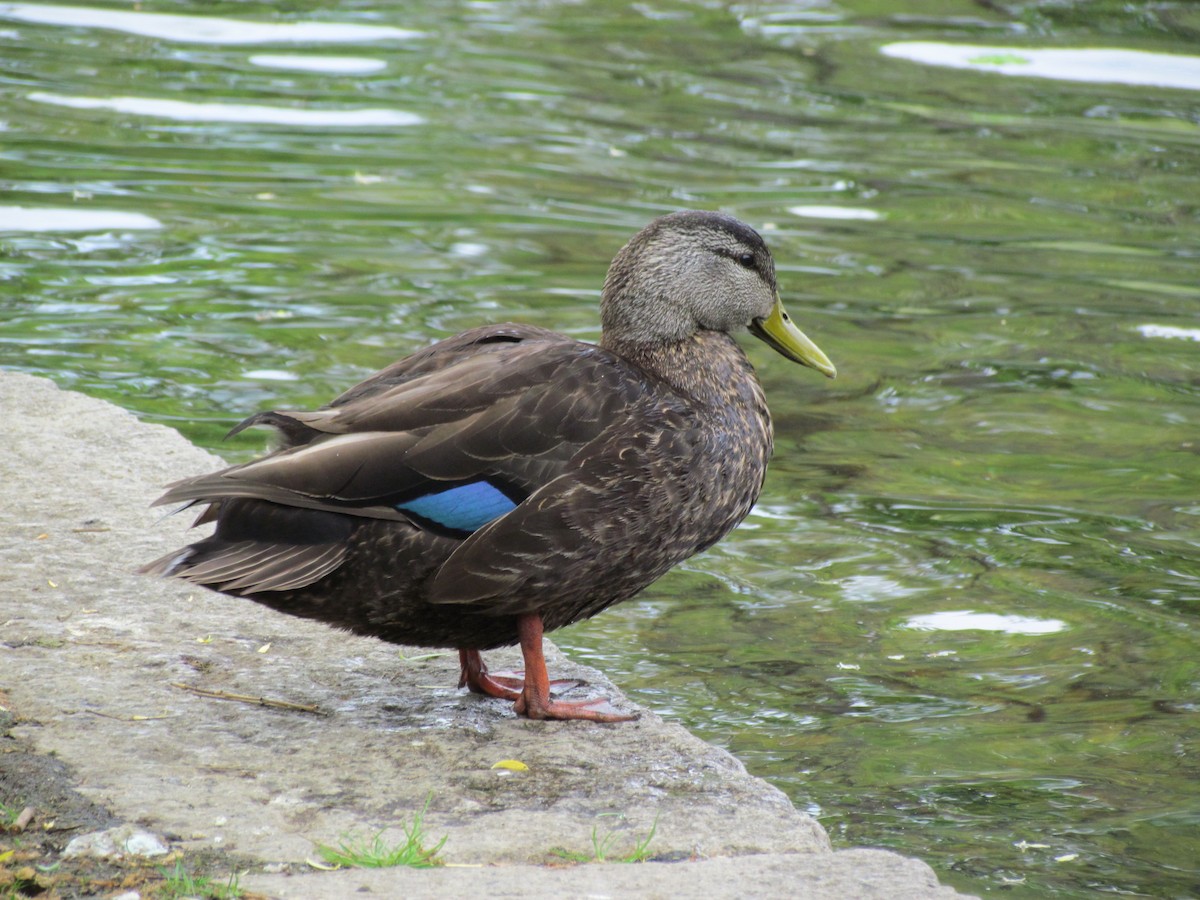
x=107, y=671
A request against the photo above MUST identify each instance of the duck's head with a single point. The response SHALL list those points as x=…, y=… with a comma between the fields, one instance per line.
x=691, y=271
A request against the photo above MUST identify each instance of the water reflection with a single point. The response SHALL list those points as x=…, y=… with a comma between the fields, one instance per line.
x=834, y=212
x=66, y=218
x=202, y=29
x=328, y=65
x=1099, y=64
x=1171, y=332
x=968, y=620
x=186, y=111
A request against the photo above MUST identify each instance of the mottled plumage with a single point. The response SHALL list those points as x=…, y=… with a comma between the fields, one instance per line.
x=511, y=479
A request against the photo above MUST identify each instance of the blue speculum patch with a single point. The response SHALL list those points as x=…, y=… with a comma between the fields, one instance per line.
x=465, y=507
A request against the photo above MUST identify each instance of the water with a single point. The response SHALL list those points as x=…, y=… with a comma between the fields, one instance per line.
x=962, y=620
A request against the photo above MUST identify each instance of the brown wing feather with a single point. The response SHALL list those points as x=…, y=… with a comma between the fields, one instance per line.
x=593, y=515
x=249, y=567
x=472, y=384
x=253, y=567
x=445, y=354
x=261, y=547
x=513, y=411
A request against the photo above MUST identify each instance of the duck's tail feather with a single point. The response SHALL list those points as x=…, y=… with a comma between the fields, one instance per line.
x=260, y=546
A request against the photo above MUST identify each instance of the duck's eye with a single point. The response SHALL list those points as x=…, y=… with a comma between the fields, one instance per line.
x=746, y=260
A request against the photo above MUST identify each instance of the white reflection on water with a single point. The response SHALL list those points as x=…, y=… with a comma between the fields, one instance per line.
x=271, y=375
x=1093, y=64
x=1169, y=331
x=66, y=218
x=328, y=65
x=966, y=620
x=833, y=212
x=183, y=111
x=873, y=588
x=203, y=29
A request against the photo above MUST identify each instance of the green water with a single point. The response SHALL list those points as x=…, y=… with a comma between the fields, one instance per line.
x=962, y=621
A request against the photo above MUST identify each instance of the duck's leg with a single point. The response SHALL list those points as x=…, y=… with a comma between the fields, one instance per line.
x=474, y=676
x=534, y=701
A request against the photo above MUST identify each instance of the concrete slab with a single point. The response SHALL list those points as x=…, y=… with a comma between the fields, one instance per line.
x=104, y=669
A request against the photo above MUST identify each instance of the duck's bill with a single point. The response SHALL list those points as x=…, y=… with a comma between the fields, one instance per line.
x=778, y=332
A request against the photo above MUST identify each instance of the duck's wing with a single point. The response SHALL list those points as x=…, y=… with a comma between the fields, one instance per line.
x=479, y=344
x=613, y=504
x=445, y=354
x=447, y=444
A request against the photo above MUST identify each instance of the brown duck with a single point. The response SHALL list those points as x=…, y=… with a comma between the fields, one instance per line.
x=511, y=480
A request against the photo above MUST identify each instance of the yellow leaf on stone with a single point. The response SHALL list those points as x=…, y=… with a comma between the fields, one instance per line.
x=265, y=647
x=322, y=867
x=513, y=764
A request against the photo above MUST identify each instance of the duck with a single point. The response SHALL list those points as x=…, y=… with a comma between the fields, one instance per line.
x=510, y=480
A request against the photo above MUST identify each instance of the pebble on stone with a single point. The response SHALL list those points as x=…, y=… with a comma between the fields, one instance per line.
x=117, y=843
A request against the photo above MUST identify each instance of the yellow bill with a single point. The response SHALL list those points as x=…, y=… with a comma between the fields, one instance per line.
x=778, y=332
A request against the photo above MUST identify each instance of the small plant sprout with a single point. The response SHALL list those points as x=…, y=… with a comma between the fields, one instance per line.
x=9, y=814
x=603, y=846
x=180, y=883
x=376, y=853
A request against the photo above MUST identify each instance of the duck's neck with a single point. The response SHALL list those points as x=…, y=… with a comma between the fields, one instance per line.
x=709, y=367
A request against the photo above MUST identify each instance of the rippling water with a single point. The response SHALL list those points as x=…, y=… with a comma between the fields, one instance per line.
x=962, y=620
